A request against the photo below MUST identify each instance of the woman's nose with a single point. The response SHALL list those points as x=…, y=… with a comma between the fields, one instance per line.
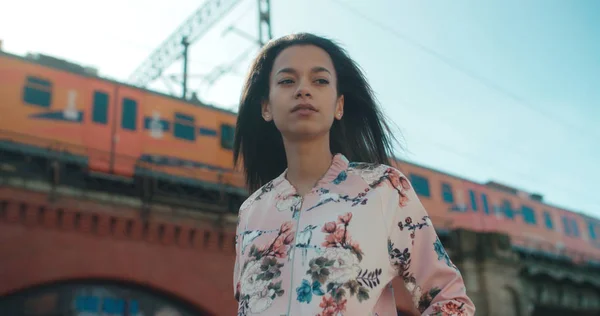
x=303, y=91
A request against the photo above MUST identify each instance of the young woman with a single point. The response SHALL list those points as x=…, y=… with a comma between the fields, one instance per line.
x=330, y=223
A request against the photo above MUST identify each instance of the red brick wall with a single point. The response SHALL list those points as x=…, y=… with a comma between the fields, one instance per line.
x=42, y=242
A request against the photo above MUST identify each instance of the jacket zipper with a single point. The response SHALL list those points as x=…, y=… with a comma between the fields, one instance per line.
x=296, y=236
x=291, y=293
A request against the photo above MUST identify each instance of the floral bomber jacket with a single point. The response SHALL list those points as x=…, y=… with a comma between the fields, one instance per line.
x=335, y=250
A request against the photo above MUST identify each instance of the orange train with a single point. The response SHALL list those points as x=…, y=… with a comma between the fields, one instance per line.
x=111, y=127
x=114, y=128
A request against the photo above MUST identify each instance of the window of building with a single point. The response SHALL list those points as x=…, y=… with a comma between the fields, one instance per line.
x=100, y=108
x=184, y=127
x=447, y=193
x=37, y=91
x=420, y=185
x=227, y=134
x=129, y=114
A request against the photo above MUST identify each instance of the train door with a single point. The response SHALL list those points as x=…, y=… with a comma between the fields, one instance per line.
x=128, y=126
x=97, y=135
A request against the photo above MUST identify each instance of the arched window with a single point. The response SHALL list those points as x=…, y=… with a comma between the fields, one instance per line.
x=93, y=298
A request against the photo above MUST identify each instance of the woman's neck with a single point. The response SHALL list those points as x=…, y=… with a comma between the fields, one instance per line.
x=307, y=163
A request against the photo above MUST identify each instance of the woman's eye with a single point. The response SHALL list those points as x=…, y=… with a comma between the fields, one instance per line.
x=286, y=81
x=322, y=81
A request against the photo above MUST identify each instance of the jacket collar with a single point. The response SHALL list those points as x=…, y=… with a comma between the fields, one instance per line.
x=339, y=164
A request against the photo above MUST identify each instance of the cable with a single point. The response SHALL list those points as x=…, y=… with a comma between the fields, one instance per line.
x=484, y=81
x=486, y=163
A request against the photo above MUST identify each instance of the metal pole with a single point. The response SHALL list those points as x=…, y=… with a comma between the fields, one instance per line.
x=186, y=44
x=264, y=22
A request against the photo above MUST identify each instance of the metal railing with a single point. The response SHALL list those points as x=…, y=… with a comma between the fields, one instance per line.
x=79, y=155
x=556, y=251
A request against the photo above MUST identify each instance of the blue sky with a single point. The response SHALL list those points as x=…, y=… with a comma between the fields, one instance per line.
x=488, y=90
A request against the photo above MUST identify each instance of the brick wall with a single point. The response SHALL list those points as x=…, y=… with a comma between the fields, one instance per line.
x=42, y=242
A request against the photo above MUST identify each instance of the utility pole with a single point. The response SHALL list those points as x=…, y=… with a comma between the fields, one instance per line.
x=186, y=44
x=264, y=22
x=194, y=27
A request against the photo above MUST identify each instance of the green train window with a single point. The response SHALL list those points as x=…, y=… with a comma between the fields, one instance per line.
x=592, y=230
x=548, y=221
x=528, y=214
x=129, y=115
x=100, y=108
x=420, y=185
x=447, y=193
x=185, y=127
x=37, y=91
x=227, y=133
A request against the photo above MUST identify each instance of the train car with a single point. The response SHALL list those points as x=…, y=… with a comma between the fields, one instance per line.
x=114, y=128
x=534, y=227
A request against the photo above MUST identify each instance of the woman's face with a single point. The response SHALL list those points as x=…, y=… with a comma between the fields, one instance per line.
x=303, y=99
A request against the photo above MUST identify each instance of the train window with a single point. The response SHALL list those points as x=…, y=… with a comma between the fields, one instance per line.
x=129, y=114
x=473, y=199
x=185, y=127
x=37, y=91
x=420, y=184
x=592, y=230
x=484, y=201
x=100, y=108
x=87, y=303
x=575, y=228
x=528, y=215
x=507, y=209
x=207, y=131
x=447, y=193
x=566, y=226
x=548, y=221
x=227, y=133
x=570, y=227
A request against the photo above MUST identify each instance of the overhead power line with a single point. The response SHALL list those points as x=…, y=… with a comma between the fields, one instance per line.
x=484, y=81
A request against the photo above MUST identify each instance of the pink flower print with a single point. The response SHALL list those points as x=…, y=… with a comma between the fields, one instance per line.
x=405, y=183
x=286, y=227
x=329, y=227
x=289, y=238
x=345, y=219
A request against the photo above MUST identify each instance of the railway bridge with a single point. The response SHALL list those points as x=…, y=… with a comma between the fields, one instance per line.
x=68, y=250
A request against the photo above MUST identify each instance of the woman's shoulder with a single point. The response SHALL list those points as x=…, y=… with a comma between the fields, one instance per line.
x=259, y=194
x=388, y=181
x=374, y=173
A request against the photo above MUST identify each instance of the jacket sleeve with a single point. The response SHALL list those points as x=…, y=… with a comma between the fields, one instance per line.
x=242, y=219
x=239, y=236
x=417, y=254
x=236, y=266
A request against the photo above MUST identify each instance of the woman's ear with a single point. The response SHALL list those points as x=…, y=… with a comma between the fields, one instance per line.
x=339, y=107
x=266, y=113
